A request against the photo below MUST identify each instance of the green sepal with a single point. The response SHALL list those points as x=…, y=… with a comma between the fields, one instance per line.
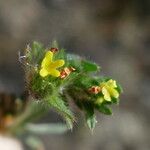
x=115, y=100
x=119, y=88
x=60, y=54
x=104, y=109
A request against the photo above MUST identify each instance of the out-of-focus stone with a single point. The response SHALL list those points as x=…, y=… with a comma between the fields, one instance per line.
x=8, y=143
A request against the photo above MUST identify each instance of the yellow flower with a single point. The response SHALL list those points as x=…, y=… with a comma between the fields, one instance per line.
x=49, y=67
x=109, y=89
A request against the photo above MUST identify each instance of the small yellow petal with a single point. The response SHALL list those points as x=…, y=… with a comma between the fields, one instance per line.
x=57, y=64
x=54, y=73
x=47, y=59
x=44, y=63
x=111, y=83
x=106, y=94
x=43, y=72
x=49, y=55
x=113, y=92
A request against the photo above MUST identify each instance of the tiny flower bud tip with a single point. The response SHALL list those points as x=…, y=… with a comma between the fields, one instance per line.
x=54, y=50
x=72, y=69
x=94, y=89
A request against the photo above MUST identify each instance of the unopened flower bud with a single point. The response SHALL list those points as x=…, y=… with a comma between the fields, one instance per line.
x=72, y=69
x=94, y=89
x=54, y=50
x=64, y=73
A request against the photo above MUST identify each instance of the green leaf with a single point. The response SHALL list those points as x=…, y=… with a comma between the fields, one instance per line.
x=59, y=105
x=91, y=121
x=89, y=66
x=104, y=109
x=90, y=115
x=74, y=61
x=69, y=123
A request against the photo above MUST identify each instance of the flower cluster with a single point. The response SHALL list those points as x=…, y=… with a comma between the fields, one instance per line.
x=55, y=77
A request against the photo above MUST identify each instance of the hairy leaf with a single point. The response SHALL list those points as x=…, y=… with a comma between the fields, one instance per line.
x=90, y=118
x=89, y=66
x=59, y=105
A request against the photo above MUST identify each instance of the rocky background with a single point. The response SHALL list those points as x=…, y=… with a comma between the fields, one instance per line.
x=115, y=34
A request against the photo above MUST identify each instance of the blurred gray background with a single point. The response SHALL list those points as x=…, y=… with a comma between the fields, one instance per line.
x=115, y=34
